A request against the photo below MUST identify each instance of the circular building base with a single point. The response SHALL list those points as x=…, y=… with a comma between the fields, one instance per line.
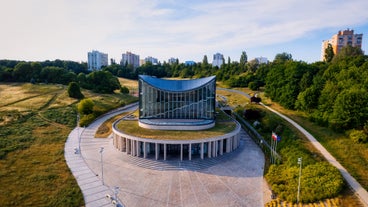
x=176, y=124
x=160, y=149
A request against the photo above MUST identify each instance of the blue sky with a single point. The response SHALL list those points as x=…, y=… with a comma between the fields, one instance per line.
x=38, y=30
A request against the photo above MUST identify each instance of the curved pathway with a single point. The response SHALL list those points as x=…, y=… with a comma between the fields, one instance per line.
x=236, y=180
x=359, y=190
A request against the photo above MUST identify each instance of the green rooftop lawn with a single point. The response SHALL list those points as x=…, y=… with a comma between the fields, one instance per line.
x=223, y=126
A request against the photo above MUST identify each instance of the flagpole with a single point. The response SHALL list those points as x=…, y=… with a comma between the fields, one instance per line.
x=275, y=147
x=272, y=150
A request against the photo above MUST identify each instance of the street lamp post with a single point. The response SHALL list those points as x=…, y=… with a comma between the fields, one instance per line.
x=79, y=150
x=101, y=150
x=300, y=175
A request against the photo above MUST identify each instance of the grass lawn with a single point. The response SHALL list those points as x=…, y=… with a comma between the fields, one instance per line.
x=223, y=126
x=35, y=121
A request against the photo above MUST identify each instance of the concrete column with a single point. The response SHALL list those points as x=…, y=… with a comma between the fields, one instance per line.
x=138, y=148
x=221, y=147
x=156, y=150
x=202, y=150
x=133, y=147
x=181, y=152
x=228, y=145
x=190, y=151
x=144, y=150
x=216, y=148
x=164, y=151
x=123, y=144
x=128, y=146
x=209, y=150
x=213, y=149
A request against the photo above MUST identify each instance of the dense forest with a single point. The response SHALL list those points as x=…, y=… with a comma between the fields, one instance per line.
x=333, y=93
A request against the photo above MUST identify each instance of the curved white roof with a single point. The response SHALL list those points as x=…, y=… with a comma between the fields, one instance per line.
x=176, y=85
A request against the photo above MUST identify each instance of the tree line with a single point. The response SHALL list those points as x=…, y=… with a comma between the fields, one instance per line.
x=333, y=93
x=59, y=72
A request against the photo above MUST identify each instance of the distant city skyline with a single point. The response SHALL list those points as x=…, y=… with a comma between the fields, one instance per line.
x=38, y=30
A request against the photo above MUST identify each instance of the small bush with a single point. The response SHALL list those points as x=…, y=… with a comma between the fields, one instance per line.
x=85, y=106
x=124, y=90
x=86, y=120
x=74, y=91
x=358, y=136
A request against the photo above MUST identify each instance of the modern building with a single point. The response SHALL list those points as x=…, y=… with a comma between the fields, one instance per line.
x=189, y=100
x=340, y=40
x=130, y=59
x=152, y=60
x=218, y=60
x=96, y=60
x=176, y=105
x=173, y=61
x=189, y=63
x=262, y=60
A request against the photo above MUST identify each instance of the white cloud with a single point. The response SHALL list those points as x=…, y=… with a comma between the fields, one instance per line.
x=68, y=29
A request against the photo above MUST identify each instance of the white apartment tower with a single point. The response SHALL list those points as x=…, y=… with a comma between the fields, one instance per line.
x=218, y=60
x=130, y=59
x=96, y=60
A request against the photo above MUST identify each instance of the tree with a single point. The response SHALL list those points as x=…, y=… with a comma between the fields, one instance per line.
x=282, y=57
x=205, y=60
x=243, y=58
x=329, y=53
x=74, y=90
x=350, y=109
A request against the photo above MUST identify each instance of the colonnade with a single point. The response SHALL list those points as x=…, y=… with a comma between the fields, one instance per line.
x=209, y=147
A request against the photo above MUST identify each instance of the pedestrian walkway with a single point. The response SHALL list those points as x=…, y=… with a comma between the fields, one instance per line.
x=234, y=181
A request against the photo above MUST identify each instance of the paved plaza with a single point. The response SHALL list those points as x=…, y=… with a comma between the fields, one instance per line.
x=235, y=179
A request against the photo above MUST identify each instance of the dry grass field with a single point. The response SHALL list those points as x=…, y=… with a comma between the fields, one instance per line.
x=35, y=121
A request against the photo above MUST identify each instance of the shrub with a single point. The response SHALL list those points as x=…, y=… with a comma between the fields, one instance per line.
x=358, y=136
x=318, y=181
x=74, y=91
x=86, y=120
x=124, y=90
x=85, y=106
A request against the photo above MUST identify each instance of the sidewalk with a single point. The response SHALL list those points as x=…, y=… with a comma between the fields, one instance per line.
x=94, y=192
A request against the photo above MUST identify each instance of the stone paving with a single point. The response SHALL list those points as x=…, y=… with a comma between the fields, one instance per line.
x=234, y=181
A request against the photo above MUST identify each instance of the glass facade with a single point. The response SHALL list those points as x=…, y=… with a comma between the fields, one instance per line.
x=177, y=99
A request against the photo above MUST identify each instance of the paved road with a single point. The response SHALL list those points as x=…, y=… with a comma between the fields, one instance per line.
x=235, y=181
x=359, y=190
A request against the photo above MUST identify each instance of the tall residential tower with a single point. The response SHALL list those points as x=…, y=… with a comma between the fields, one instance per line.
x=340, y=40
x=130, y=59
x=96, y=60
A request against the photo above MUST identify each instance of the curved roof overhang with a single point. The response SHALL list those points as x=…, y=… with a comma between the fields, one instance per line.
x=176, y=85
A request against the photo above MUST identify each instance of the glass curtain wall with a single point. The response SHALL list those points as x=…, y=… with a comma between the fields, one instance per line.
x=198, y=103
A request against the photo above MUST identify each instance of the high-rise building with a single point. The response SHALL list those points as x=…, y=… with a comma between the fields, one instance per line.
x=340, y=40
x=152, y=60
x=96, y=60
x=130, y=59
x=218, y=60
x=173, y=60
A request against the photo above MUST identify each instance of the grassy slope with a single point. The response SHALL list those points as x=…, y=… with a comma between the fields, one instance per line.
x=35, y=121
